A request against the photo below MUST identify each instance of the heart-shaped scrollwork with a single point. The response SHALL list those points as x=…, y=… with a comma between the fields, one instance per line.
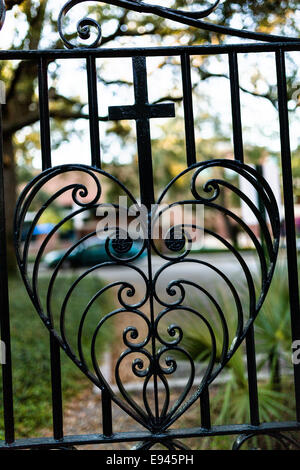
x=153, y=339
x=187, y=16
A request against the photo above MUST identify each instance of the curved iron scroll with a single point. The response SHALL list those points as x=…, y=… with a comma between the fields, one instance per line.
x=190, y=18
x=155, y=349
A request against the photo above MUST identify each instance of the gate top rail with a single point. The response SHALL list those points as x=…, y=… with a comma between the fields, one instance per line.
x=185, y=17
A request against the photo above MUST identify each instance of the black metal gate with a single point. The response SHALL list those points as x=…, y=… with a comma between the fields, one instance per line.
x=154, y=348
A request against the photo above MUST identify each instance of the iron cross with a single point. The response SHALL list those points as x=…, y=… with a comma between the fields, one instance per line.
x=142, y=112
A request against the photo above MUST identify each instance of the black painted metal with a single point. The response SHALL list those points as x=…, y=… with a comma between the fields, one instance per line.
x=154, y=349
x=141, y=112
x=57, y=411
x=2, y=13
x=93, y=110
x=236, y=107
x=183, y=17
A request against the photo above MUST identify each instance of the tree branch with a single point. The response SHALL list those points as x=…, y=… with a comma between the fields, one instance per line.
x=64, y=115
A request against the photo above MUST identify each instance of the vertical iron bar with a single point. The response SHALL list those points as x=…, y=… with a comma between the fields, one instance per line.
x=93, y=111
x=106, y=413
x=191, y=159
x=143, y=133
x=96, y=162
x=188, y=109
x=139, y=68
x=57, y=409
x=4, y=312
x=239, y=156
x=287, y=177
x=236, y=107
x=205, y=409
x=142, y=112
x=261, y=206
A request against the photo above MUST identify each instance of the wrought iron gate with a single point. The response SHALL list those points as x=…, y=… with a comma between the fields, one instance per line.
x=155, y=348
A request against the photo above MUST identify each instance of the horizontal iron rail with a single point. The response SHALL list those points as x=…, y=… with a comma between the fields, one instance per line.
x=87, y=439
x=149, y=51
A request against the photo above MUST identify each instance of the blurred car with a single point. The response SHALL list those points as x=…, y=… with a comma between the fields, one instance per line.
x=93, y=251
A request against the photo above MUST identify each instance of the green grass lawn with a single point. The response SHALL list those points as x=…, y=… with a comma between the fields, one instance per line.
x=30, y=351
